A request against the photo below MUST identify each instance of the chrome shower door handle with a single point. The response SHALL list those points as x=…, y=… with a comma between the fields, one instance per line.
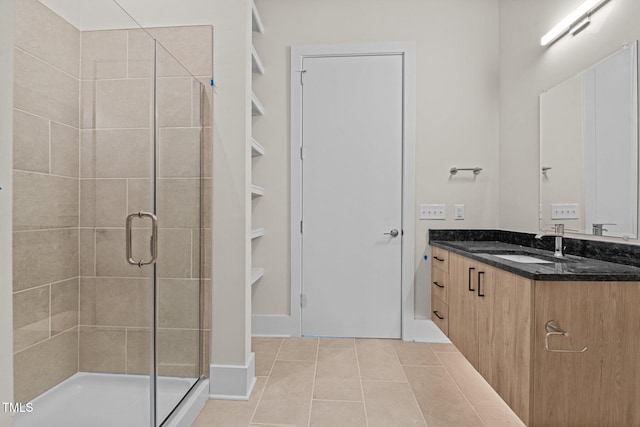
x=154, y=238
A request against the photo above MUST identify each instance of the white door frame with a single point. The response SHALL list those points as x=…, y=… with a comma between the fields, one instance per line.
x=407, y=50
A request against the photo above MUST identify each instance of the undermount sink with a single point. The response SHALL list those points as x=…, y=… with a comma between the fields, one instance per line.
x=524, y=259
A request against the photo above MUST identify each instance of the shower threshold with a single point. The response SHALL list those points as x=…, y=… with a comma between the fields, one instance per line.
x=103, y=400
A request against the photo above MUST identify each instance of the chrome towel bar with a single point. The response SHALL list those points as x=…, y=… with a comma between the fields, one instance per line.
x=454, y=170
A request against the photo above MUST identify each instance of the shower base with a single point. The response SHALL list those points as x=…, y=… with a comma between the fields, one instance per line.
x=103, y=400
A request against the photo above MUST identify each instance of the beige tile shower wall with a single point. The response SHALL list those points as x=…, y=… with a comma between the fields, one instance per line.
x=45, y=203
x=115, y=169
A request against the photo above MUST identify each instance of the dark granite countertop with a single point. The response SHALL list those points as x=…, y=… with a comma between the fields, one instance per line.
x=568, y=268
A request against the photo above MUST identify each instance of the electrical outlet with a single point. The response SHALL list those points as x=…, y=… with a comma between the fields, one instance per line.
x=564, y=211
x=458, y=211
x=433, y=212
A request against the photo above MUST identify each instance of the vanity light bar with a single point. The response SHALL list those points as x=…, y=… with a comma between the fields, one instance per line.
x=583, y=11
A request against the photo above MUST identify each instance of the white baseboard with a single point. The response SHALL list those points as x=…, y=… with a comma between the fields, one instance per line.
x=274, y=326
x=232, y=382
x=191, y=407
x=421, y=330
x=424, y=330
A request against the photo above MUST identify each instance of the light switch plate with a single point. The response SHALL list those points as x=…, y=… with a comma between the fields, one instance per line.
x=565, y=211
x=458, y=211
x=432, y=211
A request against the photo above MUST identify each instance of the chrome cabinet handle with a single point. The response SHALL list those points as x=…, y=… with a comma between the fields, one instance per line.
x=553, y=328
x=153, y=242
x=392, y=233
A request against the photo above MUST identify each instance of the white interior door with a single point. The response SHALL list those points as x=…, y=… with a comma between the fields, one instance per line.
x=352, y=119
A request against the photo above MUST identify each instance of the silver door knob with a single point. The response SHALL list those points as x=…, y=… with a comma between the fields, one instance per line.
x=392, y=233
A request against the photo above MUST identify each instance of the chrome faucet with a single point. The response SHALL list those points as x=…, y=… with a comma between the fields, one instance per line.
x=558, y=233
x=599, y=228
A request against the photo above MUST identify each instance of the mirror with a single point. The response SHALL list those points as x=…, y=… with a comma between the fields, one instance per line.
x=589, y=149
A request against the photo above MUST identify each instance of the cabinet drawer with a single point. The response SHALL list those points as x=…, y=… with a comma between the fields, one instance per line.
x=440, y=259
x=439, y=284
x=440, y=314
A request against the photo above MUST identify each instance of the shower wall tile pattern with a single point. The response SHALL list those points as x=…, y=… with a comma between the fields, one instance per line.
x=115, y=169
x=46, y=171
x=82, y=162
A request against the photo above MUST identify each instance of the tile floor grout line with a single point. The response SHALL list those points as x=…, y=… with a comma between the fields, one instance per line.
x=422, y=366
x=364, y=403
x=266, y=383
x=275, y=358
x=460, y=388
x=278, y=425
x=313, y=383
x=404, y=374
x=253, y=413
x=385, y=381
x=338, y=401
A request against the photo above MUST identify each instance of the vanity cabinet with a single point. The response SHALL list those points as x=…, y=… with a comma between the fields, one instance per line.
x=490, y=323
x=440, y=288
x=463, y=313
x=498, y=319
x=597, y=388
x=505, y=336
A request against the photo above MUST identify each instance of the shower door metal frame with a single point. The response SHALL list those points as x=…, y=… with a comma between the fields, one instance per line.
x=155, y=421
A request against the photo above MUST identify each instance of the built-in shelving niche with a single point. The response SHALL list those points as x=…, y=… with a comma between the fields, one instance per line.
x=257, y=232
x=256, y=191
x=256, y=21
x=256, y=63
x=256, y=106
x=257, y=150
x=256, y=274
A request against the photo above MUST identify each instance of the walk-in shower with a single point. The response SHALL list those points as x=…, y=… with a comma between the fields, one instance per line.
x=112, y=230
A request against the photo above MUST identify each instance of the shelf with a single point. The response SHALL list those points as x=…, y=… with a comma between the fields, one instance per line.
x=256, y=191
x=257, y=232
x=256, y=62
x=256, y=148
x=256, y=274
x=256, y=106
x=256, y=21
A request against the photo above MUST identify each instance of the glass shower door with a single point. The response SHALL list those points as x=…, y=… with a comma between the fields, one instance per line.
x=141, y=229
x=117, y=210
x=179, y=186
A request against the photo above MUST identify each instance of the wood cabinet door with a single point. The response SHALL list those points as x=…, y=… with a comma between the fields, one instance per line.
x=463, y=322
x=456, y=318
x=505, y=311
x=597, y=388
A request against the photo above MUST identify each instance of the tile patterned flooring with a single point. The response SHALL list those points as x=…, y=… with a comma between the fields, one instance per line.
x=361, y=382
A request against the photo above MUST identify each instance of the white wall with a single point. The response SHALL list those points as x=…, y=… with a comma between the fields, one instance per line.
x=561, y=149
x=456, y=115
x=6, y=167
x=232, y=207
x=526, y=69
